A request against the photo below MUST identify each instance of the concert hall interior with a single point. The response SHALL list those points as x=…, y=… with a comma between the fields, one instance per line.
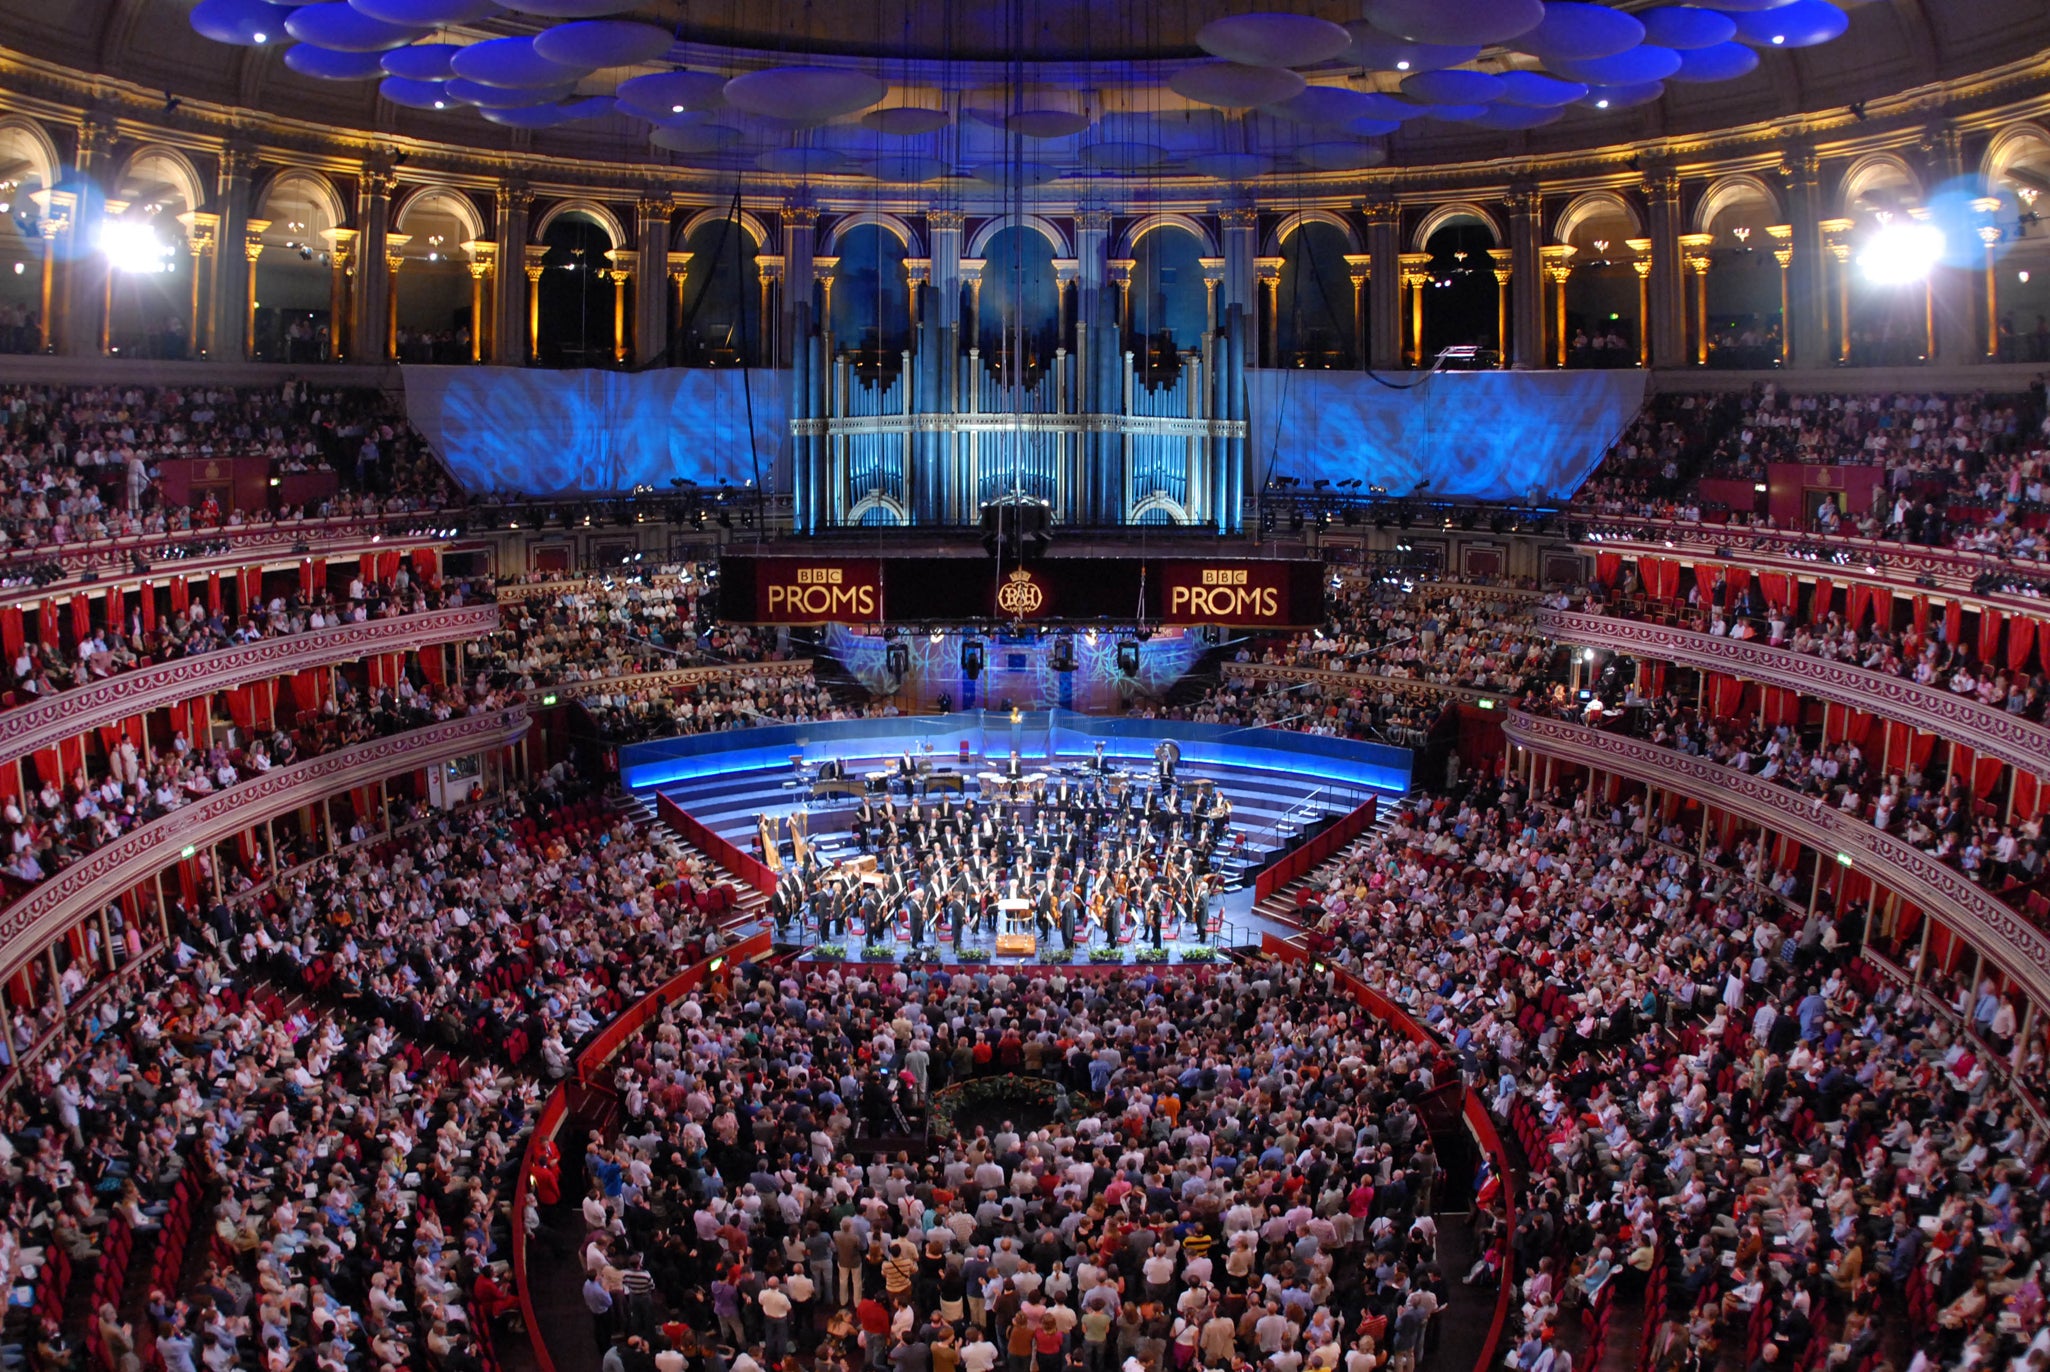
x=1024, y=686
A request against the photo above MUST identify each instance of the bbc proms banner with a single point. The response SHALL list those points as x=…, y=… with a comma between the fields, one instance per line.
x=544, y=433
x=1476, y=435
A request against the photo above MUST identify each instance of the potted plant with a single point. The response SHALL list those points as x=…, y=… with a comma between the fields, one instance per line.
x=1200, y=953
x=973, y=955
x=1155, y=955
x=1108, y=956
x=879, y=952
x=830, y=952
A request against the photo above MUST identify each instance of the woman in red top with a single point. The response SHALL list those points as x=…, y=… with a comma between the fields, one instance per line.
x=1049, y=1349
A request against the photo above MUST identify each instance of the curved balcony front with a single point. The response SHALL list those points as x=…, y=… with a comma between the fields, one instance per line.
x=1986, y=729
x=1943, y=893
x=43, y=723
x=70, y=895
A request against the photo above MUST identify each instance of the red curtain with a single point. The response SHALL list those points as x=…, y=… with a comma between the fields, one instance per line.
x=1734, y=582
x=1777, y=588
x=213, y=592
x=366, y=566
x=387, y=565
x=431, y=666
x=47, y=631
x=1989, y=633
x=1652, y=675
x=2027, y=794
x=12, y=635
x=426, y=563
x=305, y=576
x=1986, y=776
x=306, y=688
x=1818, y=609
x=1857, y=726
x=1921, y=616
x=181, y=594
x=1954, y=623
x=2021, y=637
x=1783, y=706
x=81, y=618
x=147, y=604
x=1920, y=745
x=1607, y=567
x=242, y=707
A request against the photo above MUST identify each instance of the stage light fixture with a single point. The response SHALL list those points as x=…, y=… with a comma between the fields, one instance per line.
x=897, y=660
x=1900, y=254
x=1128, y=657
x=971, y=658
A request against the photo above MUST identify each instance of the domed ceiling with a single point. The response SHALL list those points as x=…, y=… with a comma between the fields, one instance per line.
x=1027, y=92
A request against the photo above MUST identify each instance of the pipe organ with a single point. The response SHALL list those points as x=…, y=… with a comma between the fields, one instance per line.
x=1082, y=431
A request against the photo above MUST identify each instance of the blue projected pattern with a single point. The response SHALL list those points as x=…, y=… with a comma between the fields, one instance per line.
x=1478, y=435
x=574, y=432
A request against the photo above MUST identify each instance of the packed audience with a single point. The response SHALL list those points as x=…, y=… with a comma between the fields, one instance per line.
x=1727, y=1114
x=1965, y=472
x=83, y=463
x=1937, y=814
x=1225, y=1169
x=128, y=784
x=45, y=668
x=1452, y=637
x=1926, y=658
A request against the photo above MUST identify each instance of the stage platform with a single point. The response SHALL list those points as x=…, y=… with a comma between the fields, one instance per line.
x=1284, y=788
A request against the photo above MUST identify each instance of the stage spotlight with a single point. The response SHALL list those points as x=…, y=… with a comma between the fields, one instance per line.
x=1128, y=657
x=971, y=658
x=1901, y=253
x=1064, y=653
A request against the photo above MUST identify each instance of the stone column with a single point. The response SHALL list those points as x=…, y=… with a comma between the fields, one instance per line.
x=1835, y=237
x=625, y=265
x=917, y=276
x=82, y=285
x=1782, y=236
x=1241, y=235
x=227, y=289
x=1066, y=271
x=252, y=248
x=1213, y=279
x=1118, y=272
x=1661, y=189
x=1268, y=270
x=534, y=257
x=943, y=236
x=672, y=310
x=1954, y=288
x=341, y=283
x=1092, y=262
x=54, y=224
x=1694, y=248
x=970, y=269
x=769, y=274
x=509, y=345
x=1416, y=271
x=1360, y=267
x=1807, y=283
x=483, y=266
x=1505, y=272
x=1384, y=302
x=1527, y=306
x=1640, y=262
x=1989, y=236
x=394, y=258
x=651, y=288
x=369, y=338
x=800, y=235
x=1558, y=265
x=824, y=271
x=202, y=239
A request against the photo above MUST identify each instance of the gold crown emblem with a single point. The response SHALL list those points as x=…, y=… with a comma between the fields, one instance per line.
x=1020, y=595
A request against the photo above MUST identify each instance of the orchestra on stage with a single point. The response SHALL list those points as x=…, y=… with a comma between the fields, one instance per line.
x=1087, y=857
